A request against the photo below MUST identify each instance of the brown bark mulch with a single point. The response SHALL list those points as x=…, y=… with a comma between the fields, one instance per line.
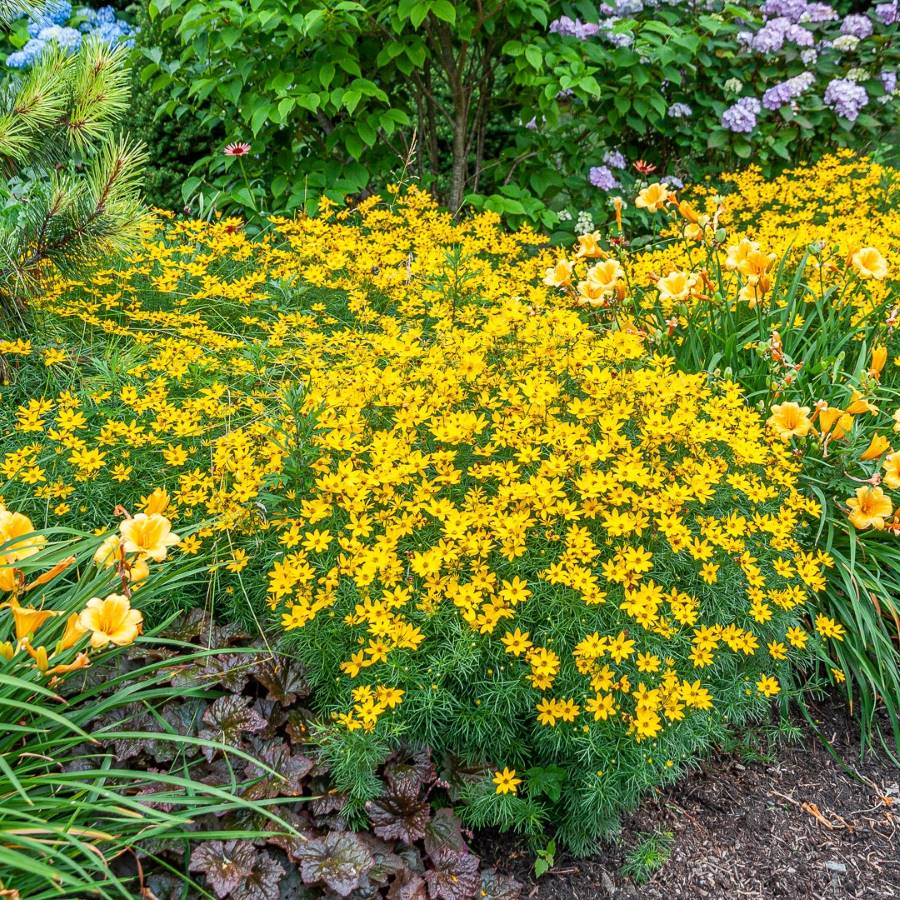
x=785, y=822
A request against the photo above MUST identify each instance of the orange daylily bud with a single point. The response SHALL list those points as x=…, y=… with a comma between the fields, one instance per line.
x=38, y=654
x=73, y=633
x=58, y=569
x=82, y=661
x=878, y=445
x=879, y=358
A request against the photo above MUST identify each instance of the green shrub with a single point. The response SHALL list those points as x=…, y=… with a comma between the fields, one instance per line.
x=512, y=107
x=177, y=143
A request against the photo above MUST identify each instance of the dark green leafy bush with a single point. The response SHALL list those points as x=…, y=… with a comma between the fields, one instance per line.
x=515, y=106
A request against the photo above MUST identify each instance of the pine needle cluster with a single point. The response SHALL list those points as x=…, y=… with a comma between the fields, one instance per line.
x=71, y=181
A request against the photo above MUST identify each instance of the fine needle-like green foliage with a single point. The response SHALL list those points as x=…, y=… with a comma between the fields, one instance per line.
x=70, y=190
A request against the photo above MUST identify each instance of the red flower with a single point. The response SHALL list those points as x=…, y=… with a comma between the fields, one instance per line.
x=239, y=148
x=644, y=168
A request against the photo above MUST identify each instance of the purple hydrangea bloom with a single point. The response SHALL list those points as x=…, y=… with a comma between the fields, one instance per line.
x=889, y=81
x=603, y=178
x=780, y=94
x=770, y=38
x=818, y=12
x=614, y=159
x=887, y=12
x=673, y=182
x=846, y=98
x=568, y=27
x=798, y=35
x=741, y=116
x=858, y=26
x=628, y=7
x=679, y=111
x=789, y=9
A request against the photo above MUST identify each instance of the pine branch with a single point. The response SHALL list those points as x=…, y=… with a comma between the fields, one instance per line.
x=10, y=10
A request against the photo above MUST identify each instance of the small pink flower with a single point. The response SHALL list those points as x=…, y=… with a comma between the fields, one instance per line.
x=239, y=148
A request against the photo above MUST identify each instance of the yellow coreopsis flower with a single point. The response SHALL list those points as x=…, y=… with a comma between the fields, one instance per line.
x=148, y=535
x=767, y=686
x=111, y=620
x=828, y=628
x=869, y=508
x=867, y=262
x=790, y=420
x=506, y=781
x=653, y=198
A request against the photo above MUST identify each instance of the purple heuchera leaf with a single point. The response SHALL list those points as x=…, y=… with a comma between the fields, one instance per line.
x=230, y=717
x=408, y=886
x=225, y=865
x=263, y=883
x=284, y=679
x=399, y=814
x=339, y=860
x=454, y=876
x=444, y=832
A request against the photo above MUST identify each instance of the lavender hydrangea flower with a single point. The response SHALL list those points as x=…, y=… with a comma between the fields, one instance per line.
x=887, y=12
x=568, y=27
x=780, y=94
x=679, y=111
x=818, y=12
x=673, y=182
x=741, y=117
x=859, y=26
x=809, y=57
x=788, y=9
x=798, y=35
x=614, y=159
x=889, y=81
x=846, y=98
x=603, y=178
x=770, y=38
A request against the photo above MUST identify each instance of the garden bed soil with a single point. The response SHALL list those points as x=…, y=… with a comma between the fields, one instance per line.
x=792, y=823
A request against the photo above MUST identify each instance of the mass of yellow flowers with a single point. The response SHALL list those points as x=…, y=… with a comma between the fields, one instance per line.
x=476, y=504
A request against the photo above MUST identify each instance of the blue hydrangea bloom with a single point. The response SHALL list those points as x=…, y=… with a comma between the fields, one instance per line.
x=51, y=26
